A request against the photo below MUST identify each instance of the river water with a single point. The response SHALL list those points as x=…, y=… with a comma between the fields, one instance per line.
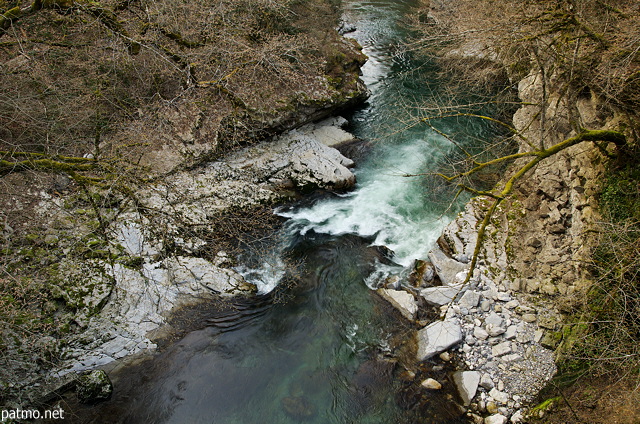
x=332, y=351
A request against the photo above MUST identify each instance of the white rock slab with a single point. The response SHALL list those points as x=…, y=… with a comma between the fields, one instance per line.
x=440, y=295
x=438, y=337
x=469, y=299
x=402, y=301
x=467, y=383
x=446, y=268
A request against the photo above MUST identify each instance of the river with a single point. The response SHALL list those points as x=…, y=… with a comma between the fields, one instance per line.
x=329, y=350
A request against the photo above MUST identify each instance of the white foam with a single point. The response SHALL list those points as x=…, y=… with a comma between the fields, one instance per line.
x=386, y=205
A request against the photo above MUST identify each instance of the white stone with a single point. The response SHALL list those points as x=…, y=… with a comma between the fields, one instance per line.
x=440, y=295
x=517, y=417
x=402, y=300
x=495, y=319
x=511, y=332
x=494, y=330
x=438, y=337
x=469, y=299
x=501, y=349
x=431, y=384
x=495, y=419
x=511, y=358
x=499, y=396
x=480, y=333
x=467, y=383
x=328, y=131
x=446, y=268
x=486, y=382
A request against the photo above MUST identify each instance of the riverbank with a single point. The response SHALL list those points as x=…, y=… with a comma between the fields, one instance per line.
x=132, y=200
x=538, y=247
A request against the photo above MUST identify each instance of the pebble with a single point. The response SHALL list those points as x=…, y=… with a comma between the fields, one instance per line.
x=480, y=333
x=499, y=396
x=495, y=419
x=486, y=382
x=431, y=384
x=501, y=349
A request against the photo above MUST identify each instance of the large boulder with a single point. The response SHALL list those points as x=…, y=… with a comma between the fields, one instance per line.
x=467, y=383
x=438, y=337
x=299, y=156
x=403, y=301
x=441, y=295
x=446, y=267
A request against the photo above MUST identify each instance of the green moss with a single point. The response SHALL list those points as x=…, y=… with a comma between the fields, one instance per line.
x=133, y=262
x=546, y=405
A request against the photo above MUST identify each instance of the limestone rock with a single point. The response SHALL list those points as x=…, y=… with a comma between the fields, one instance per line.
x=467, y=383
x=298, y=157
x=495, y=419
x=402, y=300
x=499, y=396
x=329, y=131
x=438, y=337
x=445, y=267
x=440, y=295
x=501, y=349
x=486, y=382
x=431, y=384
x=469, y=299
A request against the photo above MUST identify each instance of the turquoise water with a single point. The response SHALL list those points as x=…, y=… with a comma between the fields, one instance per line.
x=328, y=349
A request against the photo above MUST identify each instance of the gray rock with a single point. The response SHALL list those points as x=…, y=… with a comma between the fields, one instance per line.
x=438, y=337
x=485, y=305
x=403, y=301
x=501, y=349
x=495, y=419
x=494, y=319
x=486, y=382
x=480, y=333
x=517, y=417
x=440, y=295
x=94, y=387
x=511, y=332
x=445, y=267
x=329, y=131
x=469, y=299
x=499, y=396
x=511, y=358
x=467, y=384
x=494, y=330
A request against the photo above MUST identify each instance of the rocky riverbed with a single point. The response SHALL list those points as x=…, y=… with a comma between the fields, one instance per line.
x=143, y=295
x=494, y=336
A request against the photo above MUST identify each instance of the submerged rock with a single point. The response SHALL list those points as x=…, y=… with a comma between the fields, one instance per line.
x=431, y=384
x=298, y=407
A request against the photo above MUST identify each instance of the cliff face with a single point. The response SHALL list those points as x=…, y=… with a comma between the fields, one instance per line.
x=534, y=260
